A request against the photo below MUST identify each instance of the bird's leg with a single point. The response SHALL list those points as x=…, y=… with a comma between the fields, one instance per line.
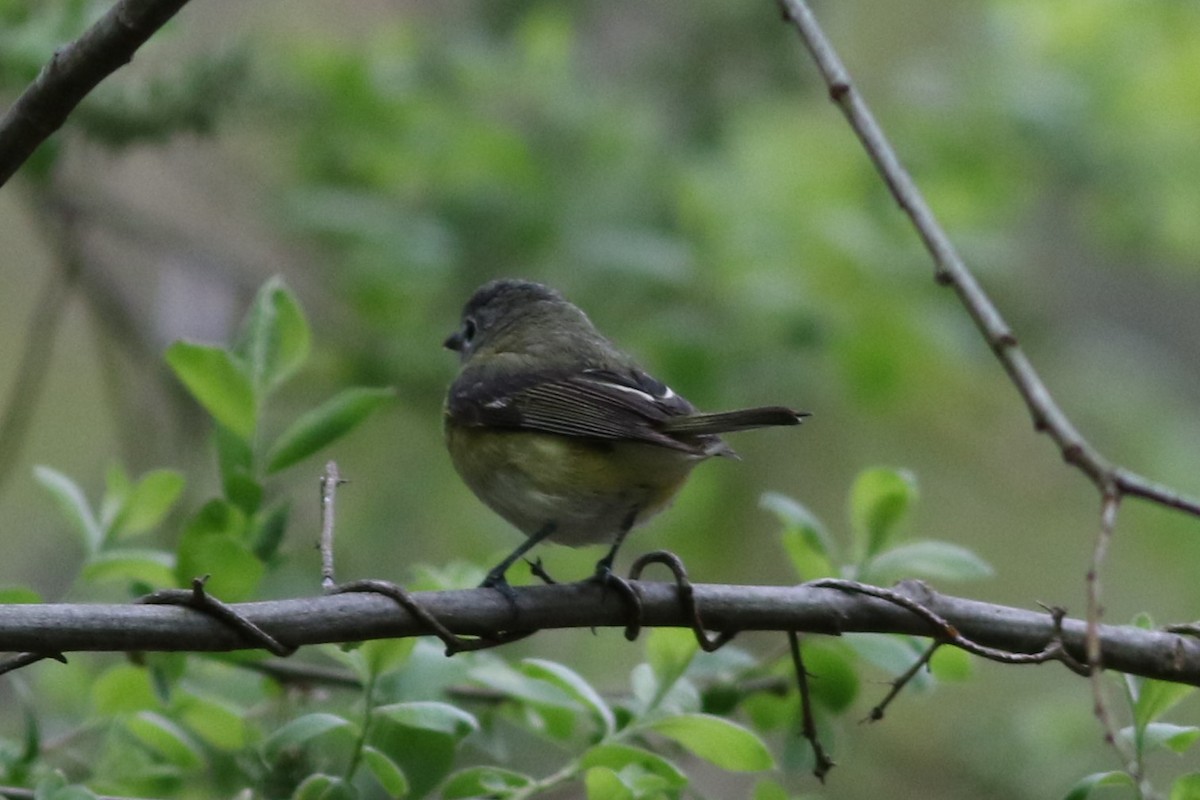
x=495, y=578
x=604, y=566
x=610, y=580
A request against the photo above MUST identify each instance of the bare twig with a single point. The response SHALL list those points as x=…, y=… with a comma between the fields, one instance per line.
x=72, y=72
x=1108, y=521
x=901, y=681
x=329, y=483
x=950, y=270
x=822, y=763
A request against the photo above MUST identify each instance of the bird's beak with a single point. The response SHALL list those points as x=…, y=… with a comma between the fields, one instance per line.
x=454, y=342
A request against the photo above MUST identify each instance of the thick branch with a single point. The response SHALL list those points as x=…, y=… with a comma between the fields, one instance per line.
x=354, y=617
x=74, y=71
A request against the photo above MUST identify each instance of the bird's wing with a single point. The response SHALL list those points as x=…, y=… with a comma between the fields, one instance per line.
x=594, y=404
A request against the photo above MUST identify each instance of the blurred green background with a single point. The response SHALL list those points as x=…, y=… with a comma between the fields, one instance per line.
x=676, y=169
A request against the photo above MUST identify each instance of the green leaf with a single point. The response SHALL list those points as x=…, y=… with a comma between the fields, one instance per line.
x=669, y=652
x=147, y=503
x=1186, y=787
x=14, y=595
x=236, y=461
x=834, y=681
x=218, y=723
x=166, y=738
x=386, y=771
x=151, y=567
x=1155, y=698
x=950, y=664
x=1163, y=736
x=73, y=505
x=385, y=655
x=218, y=382
x=575, y=686
x=716, y=740
x=1084, y=788
x=926, y=559
x=324, y=787
x=268, y=531
x=879, y=500
x=477, y=782
x=767, y=789
x=619, y=756
x=274, y=339
x=214, y=544
x=302, y=731
x=325, y=424
x=427, y=715
x=601, y=783
x=805, y=539
x=122, y=689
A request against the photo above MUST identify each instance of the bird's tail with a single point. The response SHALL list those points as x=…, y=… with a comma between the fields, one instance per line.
x=743, y=419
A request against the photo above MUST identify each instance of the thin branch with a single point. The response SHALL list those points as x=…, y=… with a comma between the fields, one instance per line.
x=950, y=270
x=480, y=612
x=822, y=763
x=72, y=72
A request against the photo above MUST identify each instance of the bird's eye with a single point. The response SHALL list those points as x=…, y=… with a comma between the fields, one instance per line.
x=468, y=329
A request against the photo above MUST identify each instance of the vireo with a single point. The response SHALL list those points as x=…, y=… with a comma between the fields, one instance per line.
x=564, y=435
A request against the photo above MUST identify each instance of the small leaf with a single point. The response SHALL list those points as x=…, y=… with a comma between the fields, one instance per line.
x=1186, y=787
x=427, y=715
x=574, y=685
x=325, y=424
x=218, y=382
x=214, y=544
x=147, y=503
x=387, y=772
x=767, y=789
x=324, y=787
x=716, y=740
x=15, y=595
x=385, y=655
x=122, y=689
x=302, y=730
x=274, y=340
x=73, y=504
x=165, y=738
x=950, y=664
x=1163, y=736
x=926, y=559
x=834, y=681
x=235, y=459
x=1155, y=698
x=151, y=567
x=805, y=539
x=601, y=783
x=1084, y=788
x=478, y=782
x=669, y=651
x=218, y=723
x=268, y=530
x=879, y=500
x=619, y=756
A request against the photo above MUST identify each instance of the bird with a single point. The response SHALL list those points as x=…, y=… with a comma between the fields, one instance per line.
x=563, y=434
